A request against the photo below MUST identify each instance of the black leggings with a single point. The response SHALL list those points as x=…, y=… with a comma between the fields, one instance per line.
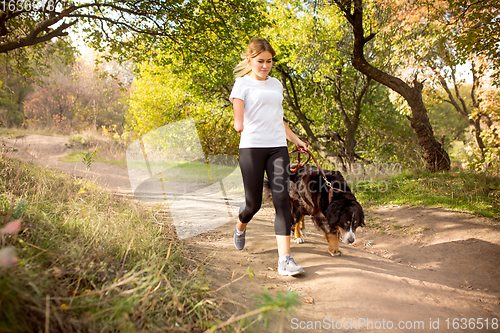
x=276, y=163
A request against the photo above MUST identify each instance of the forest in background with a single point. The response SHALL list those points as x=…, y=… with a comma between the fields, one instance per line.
x=335, y=98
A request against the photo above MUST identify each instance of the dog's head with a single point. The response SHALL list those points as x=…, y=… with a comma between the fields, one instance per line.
x=346, y=215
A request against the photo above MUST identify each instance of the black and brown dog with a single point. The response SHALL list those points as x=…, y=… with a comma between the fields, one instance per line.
x=333, y=207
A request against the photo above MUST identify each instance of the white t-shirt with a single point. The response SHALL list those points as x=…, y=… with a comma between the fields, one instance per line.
x=263, y=115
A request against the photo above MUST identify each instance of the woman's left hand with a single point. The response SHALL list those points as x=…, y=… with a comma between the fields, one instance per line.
x=302, y=146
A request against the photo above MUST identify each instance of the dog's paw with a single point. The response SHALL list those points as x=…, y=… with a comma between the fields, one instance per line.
x=336, y=253
x=300, y=240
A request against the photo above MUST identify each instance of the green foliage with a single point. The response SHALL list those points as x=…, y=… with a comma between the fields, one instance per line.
x=283, y=301
x=158, y=98
x=311, y=41
x=88, y=158
x=385, y=135
x=489, y=159
x=489, y=113
x=446, y=121
x=192, y=76
x=13, y=90
x=308, y=38
x=19, y=210
x=314, y=42
x=477, y=193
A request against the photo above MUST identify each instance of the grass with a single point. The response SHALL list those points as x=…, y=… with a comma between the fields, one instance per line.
x=477, y=193
x=78, y=155
x=93, y=262
x=90, y=261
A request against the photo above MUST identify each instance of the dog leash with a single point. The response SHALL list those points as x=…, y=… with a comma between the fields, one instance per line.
x=301, y=165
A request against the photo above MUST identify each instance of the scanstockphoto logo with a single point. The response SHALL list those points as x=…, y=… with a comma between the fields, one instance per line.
x=374, y=170
x=374, y=177
x=168, y=166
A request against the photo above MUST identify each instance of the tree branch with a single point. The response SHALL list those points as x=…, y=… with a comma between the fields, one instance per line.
x=452, y=101
x=32, y=39
x=359, y=99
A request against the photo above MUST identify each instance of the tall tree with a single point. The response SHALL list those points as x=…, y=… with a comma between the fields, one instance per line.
x=443, y=53
x=436, y=157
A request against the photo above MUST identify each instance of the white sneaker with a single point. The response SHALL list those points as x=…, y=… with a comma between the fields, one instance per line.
x=289, y=267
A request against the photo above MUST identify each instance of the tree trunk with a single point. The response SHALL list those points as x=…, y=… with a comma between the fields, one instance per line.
x=475, y=129
x=434, y=155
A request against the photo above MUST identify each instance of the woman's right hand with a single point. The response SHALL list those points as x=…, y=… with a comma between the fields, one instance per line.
x=238, y=111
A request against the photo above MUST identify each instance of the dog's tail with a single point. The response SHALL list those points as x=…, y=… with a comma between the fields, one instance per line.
x=268, y=194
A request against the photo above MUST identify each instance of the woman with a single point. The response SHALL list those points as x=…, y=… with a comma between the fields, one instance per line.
x=258, y=115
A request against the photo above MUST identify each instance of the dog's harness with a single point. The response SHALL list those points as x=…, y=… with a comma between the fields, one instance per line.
x=301, y=165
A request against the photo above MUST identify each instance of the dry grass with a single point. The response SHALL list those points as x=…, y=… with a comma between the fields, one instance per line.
x=92, y=262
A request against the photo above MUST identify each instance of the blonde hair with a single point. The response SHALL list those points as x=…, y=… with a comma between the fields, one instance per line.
x=255, y=47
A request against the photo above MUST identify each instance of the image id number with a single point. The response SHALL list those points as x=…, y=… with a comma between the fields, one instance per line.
x=472, y=323
x=27, y=5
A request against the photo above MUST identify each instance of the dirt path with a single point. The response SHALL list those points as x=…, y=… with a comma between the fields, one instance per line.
x=408, y=269
x=46, y=150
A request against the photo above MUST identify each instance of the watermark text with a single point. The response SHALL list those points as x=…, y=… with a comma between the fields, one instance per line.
x=383, y=325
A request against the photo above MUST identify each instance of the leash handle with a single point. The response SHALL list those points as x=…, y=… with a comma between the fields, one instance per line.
x=300, y=165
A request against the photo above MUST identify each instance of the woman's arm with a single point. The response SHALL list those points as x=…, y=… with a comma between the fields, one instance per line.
x=238, y=108
x=292, y=137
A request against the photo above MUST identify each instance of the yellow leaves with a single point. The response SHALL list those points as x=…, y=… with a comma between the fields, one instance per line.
x=159, y=97
x=86, y=185
x=400, y=103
